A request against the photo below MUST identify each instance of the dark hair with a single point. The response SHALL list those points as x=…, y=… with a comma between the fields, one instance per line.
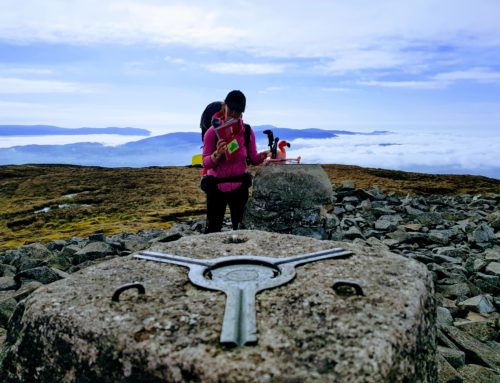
x=236, y=101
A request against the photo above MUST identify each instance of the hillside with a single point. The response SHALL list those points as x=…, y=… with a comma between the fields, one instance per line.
x=45, y=202
x=172, y=149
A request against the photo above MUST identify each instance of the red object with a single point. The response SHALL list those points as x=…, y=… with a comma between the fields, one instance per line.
x=281, y=155
x=228, y=131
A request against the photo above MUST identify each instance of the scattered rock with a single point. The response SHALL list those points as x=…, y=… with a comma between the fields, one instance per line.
x=483, y=330
x=3, y=335
x=58, y=261
x=455, y=357
x=7, y=270
x=413, y=227
x=26, y=263
x=454, y=290
x=7, y=307
x=7, y=283
x=440, y=258
x=483, y=233
x=456, y=237
x=443, y=317
x=56, y=245
x=97, y=237
x=43, y=274
x=27, y=256
x=69, y=250
x=387, y=222
x=493, y=268
x=479, y=264
x=472, y=373
x=492, y=255
x=475, y=349
x=481, y=304
x=487, y=283
x=93, y=250
x=430, y=218
x=35, y=250
x=451, y=251
x=446, y=372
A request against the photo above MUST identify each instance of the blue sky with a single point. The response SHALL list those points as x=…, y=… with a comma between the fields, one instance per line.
x=428, y=71
x=363, y=65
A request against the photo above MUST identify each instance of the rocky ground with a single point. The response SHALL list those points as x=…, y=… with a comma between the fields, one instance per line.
x=456, y=236
x=42, y=203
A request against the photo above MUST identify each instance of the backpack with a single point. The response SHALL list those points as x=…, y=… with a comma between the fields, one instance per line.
x=206, y=123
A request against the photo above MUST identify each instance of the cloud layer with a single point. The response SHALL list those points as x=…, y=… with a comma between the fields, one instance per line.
x=445, y=151
x=346, y=37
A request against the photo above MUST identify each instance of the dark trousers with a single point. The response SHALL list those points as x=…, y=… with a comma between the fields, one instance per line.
x=216, y=208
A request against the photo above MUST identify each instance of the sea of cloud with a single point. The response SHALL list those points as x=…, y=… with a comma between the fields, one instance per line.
x=453, y=151
x=105, y=139
x=444, y=151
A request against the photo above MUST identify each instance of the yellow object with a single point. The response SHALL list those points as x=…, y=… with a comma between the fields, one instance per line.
x=197, y=159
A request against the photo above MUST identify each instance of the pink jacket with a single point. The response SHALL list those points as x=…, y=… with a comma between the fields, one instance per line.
x=234, y=166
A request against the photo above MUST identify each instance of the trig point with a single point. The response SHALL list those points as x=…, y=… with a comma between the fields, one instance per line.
x=311, y=328
x=293, y=199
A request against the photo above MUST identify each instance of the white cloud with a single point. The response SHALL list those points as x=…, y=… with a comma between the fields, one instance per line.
x=244, y=68
x=405, y=84
x=474, y=74
x=9, y=71
x=383, y=31
x=101, y=115
x=336, y=89
x=271, y=89
x=356, y=60
x=113, y=21
x=446, y=149
x=10, y=85
x=175, y=60
x=105, y=139
x=137, y=68
x=357, y=34
x=441, y=80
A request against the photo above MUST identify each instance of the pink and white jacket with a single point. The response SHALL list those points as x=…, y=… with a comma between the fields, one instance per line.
x=236, y=164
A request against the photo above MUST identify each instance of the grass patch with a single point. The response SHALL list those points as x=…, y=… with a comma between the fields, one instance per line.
x=114, y=200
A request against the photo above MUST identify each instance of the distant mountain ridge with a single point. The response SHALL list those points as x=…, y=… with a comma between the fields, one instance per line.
x=49, y=130
x=292, y=134
x=169, y=149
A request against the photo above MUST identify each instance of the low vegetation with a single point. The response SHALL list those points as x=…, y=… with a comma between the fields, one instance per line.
x=39, y=203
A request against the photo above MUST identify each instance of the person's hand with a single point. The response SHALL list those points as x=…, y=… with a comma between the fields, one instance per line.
x=263, y=155
x=220, y=149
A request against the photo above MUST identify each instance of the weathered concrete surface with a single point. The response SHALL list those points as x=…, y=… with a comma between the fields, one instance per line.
x=293, y=199
x=70, y=331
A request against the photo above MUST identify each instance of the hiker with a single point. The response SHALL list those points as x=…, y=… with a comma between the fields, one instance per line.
x=226, y=181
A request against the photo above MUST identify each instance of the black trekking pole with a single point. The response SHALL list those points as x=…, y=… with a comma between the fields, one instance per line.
x=270, y=137
x=274, y=148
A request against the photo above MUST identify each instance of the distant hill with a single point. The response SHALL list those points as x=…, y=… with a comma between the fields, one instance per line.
x=49, y=130
x=168, y=149
x=292, y=134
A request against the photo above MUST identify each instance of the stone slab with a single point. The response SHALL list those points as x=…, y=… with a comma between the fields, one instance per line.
x=71, y=331
x=293, y=199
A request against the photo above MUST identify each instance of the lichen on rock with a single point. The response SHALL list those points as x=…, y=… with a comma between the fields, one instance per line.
x=71, y=331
